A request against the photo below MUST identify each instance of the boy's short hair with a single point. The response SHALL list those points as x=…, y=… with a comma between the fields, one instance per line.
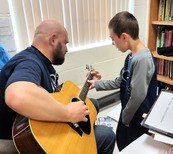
x=125, y=22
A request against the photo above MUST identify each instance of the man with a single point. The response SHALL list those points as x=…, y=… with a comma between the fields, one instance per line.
x=28, y=79
x=137, y=80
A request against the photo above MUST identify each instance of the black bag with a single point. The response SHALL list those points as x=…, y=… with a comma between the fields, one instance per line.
x=165, y=51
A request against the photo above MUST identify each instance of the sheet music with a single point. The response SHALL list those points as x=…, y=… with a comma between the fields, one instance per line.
x=161, y=114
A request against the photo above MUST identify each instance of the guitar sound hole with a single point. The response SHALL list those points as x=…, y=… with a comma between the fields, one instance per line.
x=75, y=99
x=84, y=126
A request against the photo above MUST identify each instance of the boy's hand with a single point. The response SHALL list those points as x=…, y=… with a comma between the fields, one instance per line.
x=97, y=76
x=92, y=84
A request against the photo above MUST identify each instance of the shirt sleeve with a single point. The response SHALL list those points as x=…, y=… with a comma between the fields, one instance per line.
x=143, y=70
x=107, y=84
x=4, y=56
x=26, y=71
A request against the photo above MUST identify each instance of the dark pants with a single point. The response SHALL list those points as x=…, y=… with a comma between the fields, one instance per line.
x=7, y=147
x=105, y=137
x=126, y=135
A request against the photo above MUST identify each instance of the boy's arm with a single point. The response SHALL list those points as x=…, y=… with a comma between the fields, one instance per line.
x=107, y=84
x=100, y=85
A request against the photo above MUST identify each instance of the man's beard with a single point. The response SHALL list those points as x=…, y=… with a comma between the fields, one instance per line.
x=58, y=55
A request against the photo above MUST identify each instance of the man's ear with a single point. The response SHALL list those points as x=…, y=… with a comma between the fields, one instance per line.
x=52, y=39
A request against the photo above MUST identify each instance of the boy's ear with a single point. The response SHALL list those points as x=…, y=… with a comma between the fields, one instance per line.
x=125, y=36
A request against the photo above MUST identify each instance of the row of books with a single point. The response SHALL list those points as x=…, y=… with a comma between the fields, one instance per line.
x=164, y=36
x=165, y=10
x=164, y=67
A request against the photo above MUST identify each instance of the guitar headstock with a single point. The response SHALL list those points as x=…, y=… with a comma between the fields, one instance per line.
x=90, y=68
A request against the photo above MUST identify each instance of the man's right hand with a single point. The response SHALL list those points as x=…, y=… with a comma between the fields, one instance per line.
x=77, y=112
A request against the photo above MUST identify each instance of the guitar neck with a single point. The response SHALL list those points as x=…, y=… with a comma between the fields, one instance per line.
x=85, y=88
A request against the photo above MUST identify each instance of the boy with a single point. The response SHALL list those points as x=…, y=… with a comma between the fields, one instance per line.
x=137, y=81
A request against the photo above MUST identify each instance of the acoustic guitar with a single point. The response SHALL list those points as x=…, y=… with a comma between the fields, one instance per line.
x=38, y=137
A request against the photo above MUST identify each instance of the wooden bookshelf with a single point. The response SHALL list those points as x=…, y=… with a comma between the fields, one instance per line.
x=152, y=35
x=164, y=79
x=162, y=23
x=155, y=54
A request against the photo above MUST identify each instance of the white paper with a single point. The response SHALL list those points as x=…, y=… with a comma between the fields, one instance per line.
x=161, y=114
x=162, y=138
x=146, y=145
x=115, y=113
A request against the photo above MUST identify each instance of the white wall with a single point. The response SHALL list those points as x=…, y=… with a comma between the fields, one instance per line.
x=5, y=17
x=141, y=12
x=4, y=7
x=106, y=59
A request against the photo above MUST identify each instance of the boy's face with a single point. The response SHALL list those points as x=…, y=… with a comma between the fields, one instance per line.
x=119, y=42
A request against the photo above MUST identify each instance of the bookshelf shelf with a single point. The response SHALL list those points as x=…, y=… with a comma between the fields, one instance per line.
x=156, y=55
x=157, y=7
x=164, y=79
x=162, y=23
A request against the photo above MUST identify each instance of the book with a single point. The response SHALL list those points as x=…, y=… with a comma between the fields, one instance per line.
x=105, y=120
x=171, y=12
x=161, y=10
x=158, y=44
x=168, y=10
x=159, y=118
x=170, y=37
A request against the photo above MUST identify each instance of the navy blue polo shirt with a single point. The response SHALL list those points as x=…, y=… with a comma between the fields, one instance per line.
x=28, y=65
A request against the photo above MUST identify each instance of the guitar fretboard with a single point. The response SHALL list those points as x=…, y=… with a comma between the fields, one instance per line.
x=85, y=88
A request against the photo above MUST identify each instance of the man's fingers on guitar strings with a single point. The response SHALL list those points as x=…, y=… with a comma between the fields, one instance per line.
x=86, y=108
x=85, y=119
x=87, y=112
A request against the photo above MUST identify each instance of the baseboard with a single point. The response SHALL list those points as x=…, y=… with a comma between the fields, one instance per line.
x=109, y=99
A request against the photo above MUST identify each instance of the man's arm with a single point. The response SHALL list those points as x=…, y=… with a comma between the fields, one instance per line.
x=34, y=102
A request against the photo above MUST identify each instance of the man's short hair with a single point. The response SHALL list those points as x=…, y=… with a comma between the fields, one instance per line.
x=125, y=22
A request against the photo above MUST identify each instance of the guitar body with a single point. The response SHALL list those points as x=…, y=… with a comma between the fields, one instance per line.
x=31, y=136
